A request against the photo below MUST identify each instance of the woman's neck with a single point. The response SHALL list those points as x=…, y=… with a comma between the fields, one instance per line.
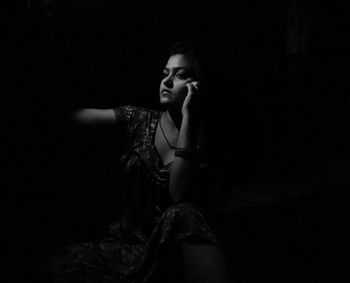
x=173, y=119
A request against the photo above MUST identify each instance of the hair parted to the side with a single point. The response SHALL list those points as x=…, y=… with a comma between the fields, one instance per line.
x=186, y=49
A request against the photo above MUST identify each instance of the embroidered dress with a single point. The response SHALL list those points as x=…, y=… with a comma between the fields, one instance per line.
x=143, y=242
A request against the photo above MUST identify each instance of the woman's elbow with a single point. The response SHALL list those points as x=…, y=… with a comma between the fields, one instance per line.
x=179, y=194
x=78, y=116
x=174, y=195
x=177, y=199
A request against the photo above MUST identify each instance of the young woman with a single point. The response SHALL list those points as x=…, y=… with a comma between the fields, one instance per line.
x=158, y=235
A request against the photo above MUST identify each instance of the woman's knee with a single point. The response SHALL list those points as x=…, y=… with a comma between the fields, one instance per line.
x=183, y=208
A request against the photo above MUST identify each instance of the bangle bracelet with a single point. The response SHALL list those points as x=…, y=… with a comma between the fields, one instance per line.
x=188, y=154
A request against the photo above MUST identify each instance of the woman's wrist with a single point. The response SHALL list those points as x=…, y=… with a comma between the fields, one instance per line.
x=190, y=120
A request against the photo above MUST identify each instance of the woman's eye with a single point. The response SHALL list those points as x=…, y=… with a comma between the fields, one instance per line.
x=164, y=75
x=182, y=76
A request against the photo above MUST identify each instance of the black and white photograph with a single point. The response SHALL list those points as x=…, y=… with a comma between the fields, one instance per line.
x=176, y=141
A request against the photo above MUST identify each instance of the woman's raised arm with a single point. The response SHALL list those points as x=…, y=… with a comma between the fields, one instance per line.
x=90, y=116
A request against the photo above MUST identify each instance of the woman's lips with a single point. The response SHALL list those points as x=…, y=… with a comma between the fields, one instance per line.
x=166, y=92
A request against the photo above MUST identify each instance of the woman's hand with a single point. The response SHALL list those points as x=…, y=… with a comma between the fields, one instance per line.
x=190, y=105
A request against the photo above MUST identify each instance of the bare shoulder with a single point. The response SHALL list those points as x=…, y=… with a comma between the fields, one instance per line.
x=95, y=116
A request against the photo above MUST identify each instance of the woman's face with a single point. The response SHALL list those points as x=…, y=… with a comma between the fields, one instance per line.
x=178, y=71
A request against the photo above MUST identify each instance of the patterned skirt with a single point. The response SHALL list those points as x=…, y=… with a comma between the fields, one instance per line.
x=156, y=259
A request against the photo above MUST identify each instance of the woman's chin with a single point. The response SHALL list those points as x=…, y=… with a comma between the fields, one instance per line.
x=169, y=105
x=166, y=102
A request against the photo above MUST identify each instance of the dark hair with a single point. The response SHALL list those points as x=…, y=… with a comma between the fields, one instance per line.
x=186, y=49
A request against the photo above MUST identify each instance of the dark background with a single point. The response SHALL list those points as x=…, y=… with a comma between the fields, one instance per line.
x=275, y=106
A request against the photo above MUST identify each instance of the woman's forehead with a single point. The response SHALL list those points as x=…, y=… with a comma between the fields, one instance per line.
x=179, y=61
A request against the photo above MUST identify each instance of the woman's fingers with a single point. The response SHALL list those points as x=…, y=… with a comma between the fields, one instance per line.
x=191, y=99
x=192, y=86
x=195, y=84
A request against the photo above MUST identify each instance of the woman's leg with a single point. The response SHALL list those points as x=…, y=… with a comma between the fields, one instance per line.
x=202, y=259
x=204, y=263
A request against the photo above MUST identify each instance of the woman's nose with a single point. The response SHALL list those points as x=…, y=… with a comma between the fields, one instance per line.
x=168, y=82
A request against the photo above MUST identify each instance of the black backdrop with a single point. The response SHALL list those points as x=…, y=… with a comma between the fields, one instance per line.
x=274, y=115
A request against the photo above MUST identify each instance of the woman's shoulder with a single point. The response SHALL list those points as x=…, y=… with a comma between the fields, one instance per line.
x=133, y=109
x=132, y=113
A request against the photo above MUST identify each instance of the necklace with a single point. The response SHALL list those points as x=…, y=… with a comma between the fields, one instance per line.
x=161, y=128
